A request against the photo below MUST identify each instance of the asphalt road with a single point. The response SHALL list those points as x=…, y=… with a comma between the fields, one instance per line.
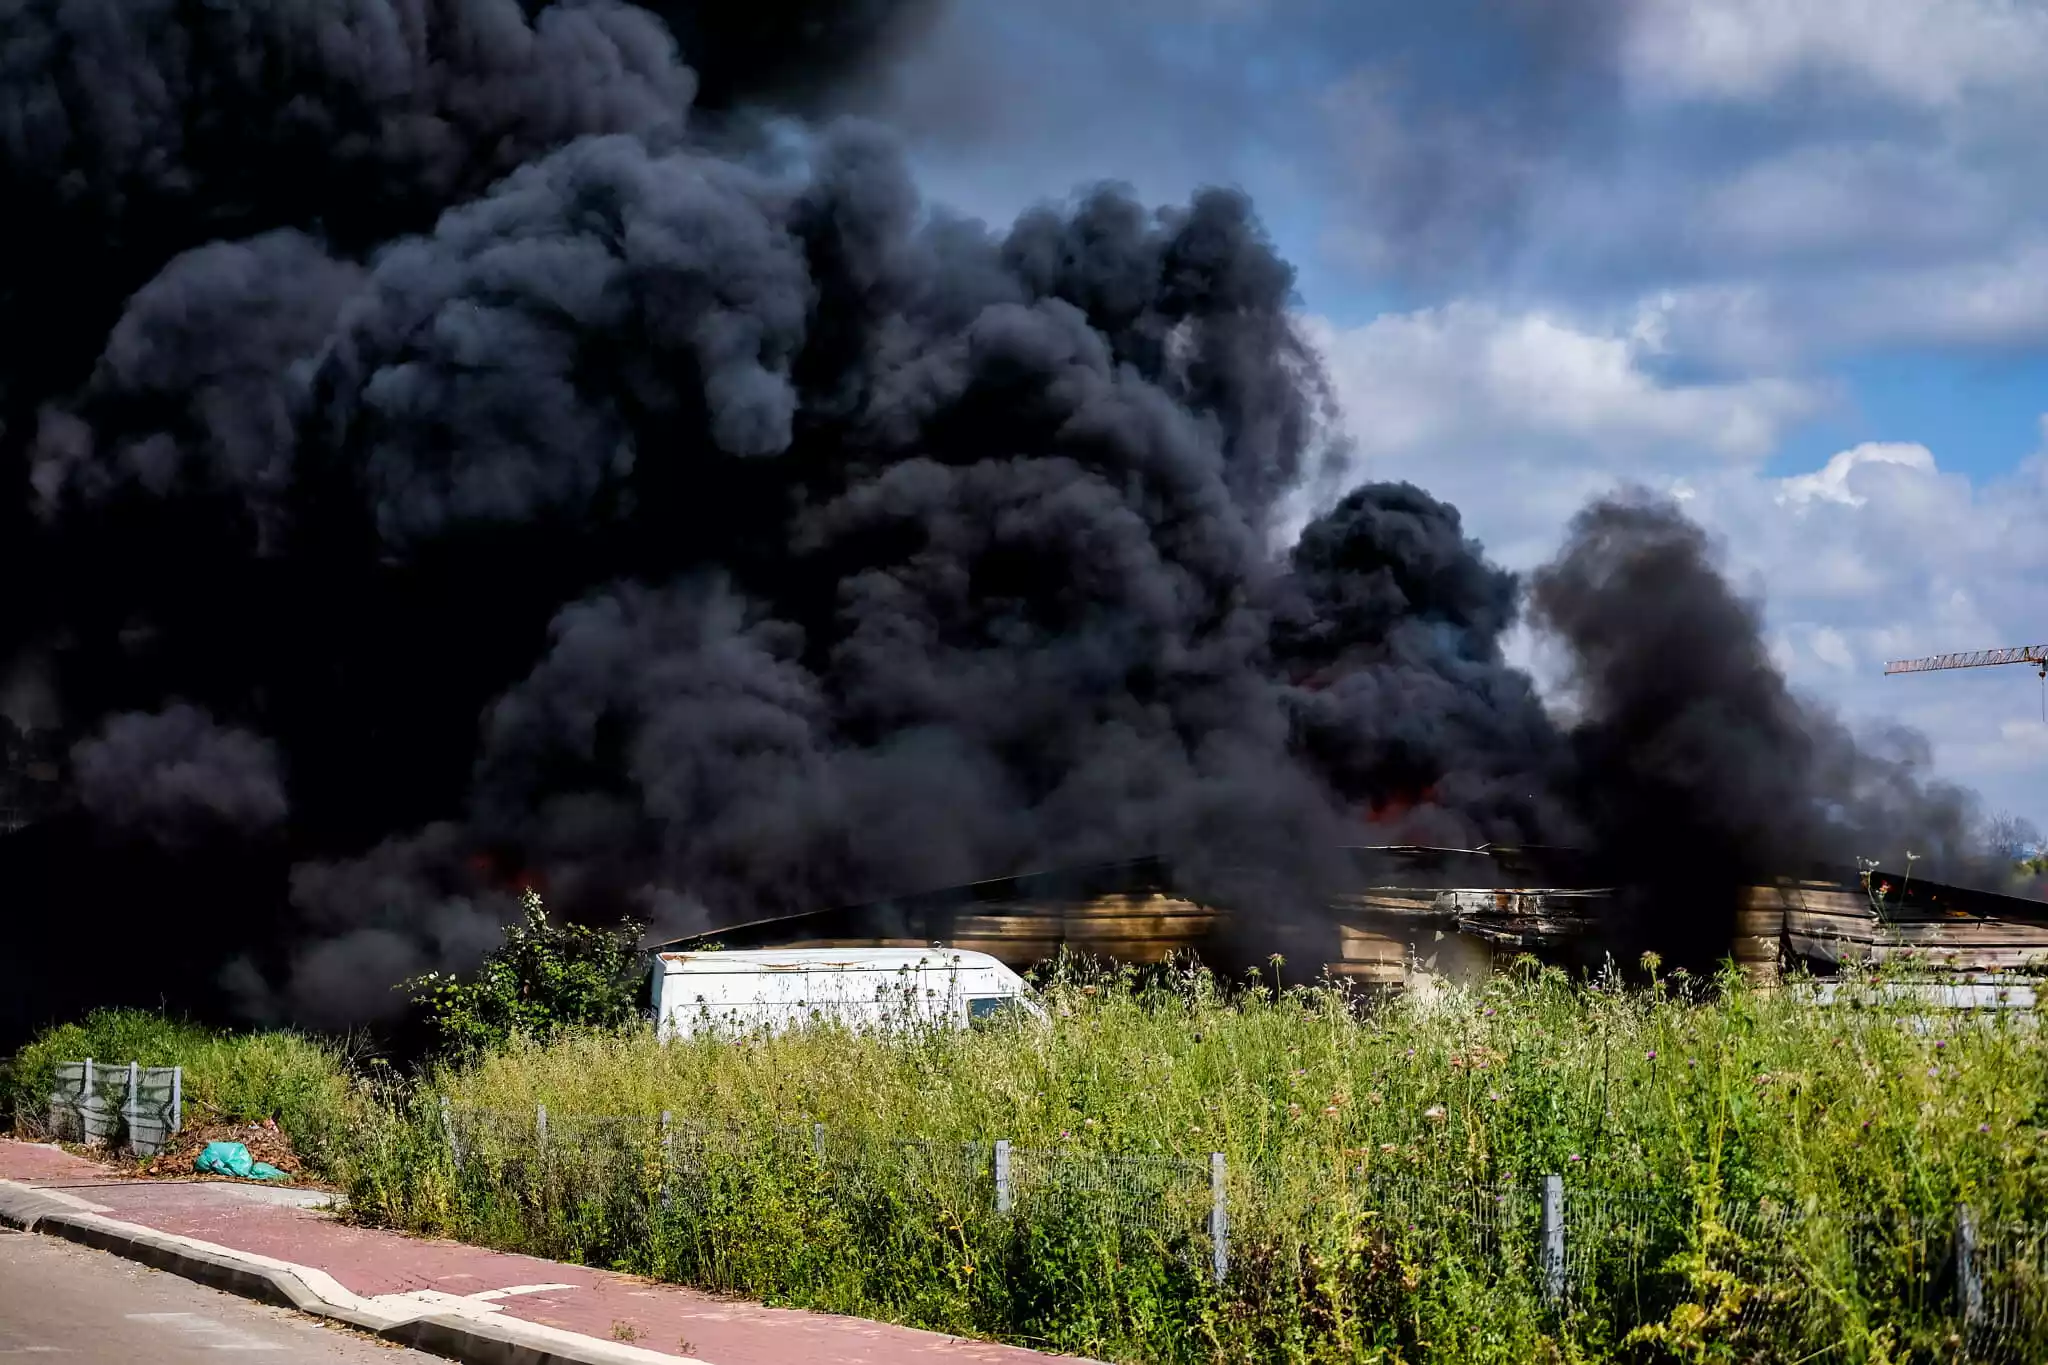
x=74, y=1306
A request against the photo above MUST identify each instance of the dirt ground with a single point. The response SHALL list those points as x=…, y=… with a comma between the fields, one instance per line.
x=266, y=1142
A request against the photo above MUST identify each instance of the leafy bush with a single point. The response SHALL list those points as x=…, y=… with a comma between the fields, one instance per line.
x=545, y=978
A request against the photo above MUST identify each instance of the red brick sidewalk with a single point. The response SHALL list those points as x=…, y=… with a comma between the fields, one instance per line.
x=600, y=1304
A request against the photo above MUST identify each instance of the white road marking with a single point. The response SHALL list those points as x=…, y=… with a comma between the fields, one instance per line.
x=519, y=1289
x=470, y=1305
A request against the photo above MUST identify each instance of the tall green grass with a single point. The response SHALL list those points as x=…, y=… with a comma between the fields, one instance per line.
x=301, y=1081
x=1372, y=1153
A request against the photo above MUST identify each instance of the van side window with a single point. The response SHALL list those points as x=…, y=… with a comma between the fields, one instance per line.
x=984, y=1007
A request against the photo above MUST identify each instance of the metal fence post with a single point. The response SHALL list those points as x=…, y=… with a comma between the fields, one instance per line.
x=1219, y=1218
x=1969, y=1284
x=1553, y=1239
x=448, y=1132
x=1002, y=1175
x=177, y=1098
x=818, y=1142
x=668, y=1160
x=86, y=1106
x=131, y=1103
x=544, y=1156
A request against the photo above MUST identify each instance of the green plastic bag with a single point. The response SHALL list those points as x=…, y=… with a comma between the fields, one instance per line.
x=232, y=1158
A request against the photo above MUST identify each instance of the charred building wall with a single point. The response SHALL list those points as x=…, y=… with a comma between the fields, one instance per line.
x=1417, y=917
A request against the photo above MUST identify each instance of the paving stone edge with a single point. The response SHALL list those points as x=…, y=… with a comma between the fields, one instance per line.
x=474, y=1340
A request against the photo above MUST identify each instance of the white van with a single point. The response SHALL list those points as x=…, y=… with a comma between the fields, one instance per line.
x=861, y=988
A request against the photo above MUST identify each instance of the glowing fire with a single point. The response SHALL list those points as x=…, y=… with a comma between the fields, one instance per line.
x=505, y=873
x=1386, y=809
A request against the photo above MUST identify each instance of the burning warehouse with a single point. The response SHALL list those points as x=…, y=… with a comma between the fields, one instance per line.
x=1418, y=917
x=456, y=432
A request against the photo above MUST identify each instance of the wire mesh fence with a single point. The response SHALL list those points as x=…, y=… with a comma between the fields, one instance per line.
x=684, y=1197
x=1155, y=1198
x=2010, y=1314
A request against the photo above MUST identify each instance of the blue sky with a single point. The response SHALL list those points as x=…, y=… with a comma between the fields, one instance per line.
x=1981, y=411
x=1784, y=259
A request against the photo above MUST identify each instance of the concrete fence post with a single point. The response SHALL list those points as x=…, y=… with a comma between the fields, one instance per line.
x=177, y=1119
x=540, y=1125
x=1969, y=1279
x=1219, y=1218
x=131, y=1103
x=1553, y=1239
x=818, y=1142
x=1002, y=1175
x=85, y=1106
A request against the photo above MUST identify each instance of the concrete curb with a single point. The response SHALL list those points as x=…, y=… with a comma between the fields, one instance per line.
x=475, y=1338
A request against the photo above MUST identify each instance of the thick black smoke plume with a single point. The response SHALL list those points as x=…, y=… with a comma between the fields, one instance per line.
x=179, y=777
x=446, y=460
x=1695, y=766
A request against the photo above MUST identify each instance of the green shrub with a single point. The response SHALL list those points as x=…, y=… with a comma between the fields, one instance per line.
x=545, y=978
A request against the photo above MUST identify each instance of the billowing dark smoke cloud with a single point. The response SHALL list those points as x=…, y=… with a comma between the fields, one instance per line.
x=797, y=54
x=365, y=925
x=442, y=462
x=510, y=364
x=988, y=518
x=179, y=775
x=188, y=393
x=1392, y=622
x=1696, y=765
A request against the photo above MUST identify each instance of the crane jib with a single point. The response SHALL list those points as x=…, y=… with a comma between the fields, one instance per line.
x=1983, y=658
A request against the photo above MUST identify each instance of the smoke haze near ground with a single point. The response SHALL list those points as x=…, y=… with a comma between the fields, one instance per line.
x=443, y=450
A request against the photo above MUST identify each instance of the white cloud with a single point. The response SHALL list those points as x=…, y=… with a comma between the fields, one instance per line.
x=1831, y=482
x=1529, y=414
x=1820, y=198
x=1469, y=369
x=1831, y=647
x=1808, y=178
x=1926, y=52
x=1998, y=298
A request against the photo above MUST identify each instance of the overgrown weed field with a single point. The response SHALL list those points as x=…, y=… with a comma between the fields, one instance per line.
x=1747, y=1174
x=1750, y=1175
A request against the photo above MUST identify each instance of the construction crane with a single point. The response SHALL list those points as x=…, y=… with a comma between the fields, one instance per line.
x=2036, y=655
